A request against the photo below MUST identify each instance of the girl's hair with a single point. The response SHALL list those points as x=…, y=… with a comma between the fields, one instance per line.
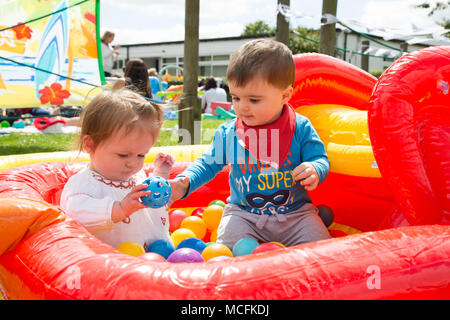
x=110, y=111
x=210, y=84
x=106, y=35
x=136, y=75
x=268, y=58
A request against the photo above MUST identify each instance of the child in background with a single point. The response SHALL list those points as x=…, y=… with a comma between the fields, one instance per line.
x=118, y=129
x=275, y=154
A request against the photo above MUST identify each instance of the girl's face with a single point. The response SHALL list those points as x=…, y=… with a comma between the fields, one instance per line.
x=258, y=102
x=122, y=155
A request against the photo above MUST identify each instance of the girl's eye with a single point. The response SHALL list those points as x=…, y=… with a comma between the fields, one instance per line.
x=141, y=155
x=122, y=155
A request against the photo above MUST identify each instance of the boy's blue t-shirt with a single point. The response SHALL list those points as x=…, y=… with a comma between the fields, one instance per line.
x=255, y=186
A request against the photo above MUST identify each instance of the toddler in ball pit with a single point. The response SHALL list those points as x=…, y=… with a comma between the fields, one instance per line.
x=275, y=154
x=118, y=129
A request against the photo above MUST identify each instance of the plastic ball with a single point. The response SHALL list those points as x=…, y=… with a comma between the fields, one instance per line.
x=19, y=124
x=218, y=202
x=181, y=234
x=216, y=250
x=213, y=237
x=219, y=258
x=5, y=124
x=269, y=246
x=185, y=255
x=151, y=256
x=196, y=225
x=175, y=218
x=198, y=212
x=212, y=216
x=161, y=192
x=192, y=243
x=279, y=243
x=244, y=247
x=162, y=248
x=132, y=248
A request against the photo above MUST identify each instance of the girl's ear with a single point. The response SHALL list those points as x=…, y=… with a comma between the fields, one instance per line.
x=88, y=144
x=287, y=94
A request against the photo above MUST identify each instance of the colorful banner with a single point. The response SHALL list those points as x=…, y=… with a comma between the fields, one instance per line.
x=49, y=52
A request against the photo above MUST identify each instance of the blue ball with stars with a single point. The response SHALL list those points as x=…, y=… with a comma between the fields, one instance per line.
x=160, y=192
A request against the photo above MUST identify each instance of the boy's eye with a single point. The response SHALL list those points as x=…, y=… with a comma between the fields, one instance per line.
x=235, y=98
x=254, y=100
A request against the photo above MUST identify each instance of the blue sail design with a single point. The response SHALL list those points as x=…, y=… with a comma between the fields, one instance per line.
x=52, y=48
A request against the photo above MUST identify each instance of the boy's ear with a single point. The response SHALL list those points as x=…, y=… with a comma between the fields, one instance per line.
x=88, y=144
x=287, y=94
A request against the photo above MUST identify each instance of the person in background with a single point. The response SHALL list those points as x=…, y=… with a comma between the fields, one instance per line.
x=155, y=84
x=109, y=54
x=212, y=93
x=136, y=78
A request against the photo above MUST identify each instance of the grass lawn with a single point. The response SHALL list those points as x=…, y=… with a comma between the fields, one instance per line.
x=22, y=143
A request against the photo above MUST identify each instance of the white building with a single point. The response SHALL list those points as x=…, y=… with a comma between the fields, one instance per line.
x=215, y=54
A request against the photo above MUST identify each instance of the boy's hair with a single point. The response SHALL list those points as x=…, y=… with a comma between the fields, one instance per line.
x=110, y=111
x=268, y=58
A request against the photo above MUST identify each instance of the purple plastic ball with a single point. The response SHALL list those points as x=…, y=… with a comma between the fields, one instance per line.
x=185, y=255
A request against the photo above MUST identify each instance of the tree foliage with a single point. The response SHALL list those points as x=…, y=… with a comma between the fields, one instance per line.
x=297, y=43
x=438, y=6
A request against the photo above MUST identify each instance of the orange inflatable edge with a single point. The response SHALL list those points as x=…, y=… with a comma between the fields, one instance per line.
x=20, y=217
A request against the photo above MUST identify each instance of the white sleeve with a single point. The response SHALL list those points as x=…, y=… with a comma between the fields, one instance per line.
x=94, y=214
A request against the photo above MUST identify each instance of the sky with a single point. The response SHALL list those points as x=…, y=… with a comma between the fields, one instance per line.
x=151, y=21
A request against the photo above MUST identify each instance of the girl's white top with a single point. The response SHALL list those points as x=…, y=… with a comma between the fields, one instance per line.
x=88, y=198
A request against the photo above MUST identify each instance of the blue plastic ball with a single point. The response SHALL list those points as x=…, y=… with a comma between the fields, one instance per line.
x=162, y=248
x=192, y=243
x=161, y=192
x=244, y=246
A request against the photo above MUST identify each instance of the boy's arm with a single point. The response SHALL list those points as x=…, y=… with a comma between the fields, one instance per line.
x=208, y=165
x=313, y=151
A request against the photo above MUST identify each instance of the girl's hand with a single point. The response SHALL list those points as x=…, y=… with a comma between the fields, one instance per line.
x=307, y=175
x=129, y=204
x=179, y=188
x=163, y=163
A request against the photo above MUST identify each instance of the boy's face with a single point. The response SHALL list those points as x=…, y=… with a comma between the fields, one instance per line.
x=258, y=102
x=120, y=156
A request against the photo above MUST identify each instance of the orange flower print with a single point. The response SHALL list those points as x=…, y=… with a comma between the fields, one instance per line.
x=54, y=94
x=22, y=31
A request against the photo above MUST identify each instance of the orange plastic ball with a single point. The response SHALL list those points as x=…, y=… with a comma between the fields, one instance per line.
x=195, y=224
x=181, y=234
x=213, y=237
x=212, y=216
x=216, y=250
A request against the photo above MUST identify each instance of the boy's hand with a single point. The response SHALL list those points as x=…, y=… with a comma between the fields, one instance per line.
x=130, y=204
x=307, y=175
x=179, y=188
x=163, y=163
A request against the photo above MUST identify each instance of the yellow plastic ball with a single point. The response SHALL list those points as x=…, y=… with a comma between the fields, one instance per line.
x=279, y=243
x=132, y=248
x=216, y=250
x=195, y=224
x=181, y=234
x=212, y=216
